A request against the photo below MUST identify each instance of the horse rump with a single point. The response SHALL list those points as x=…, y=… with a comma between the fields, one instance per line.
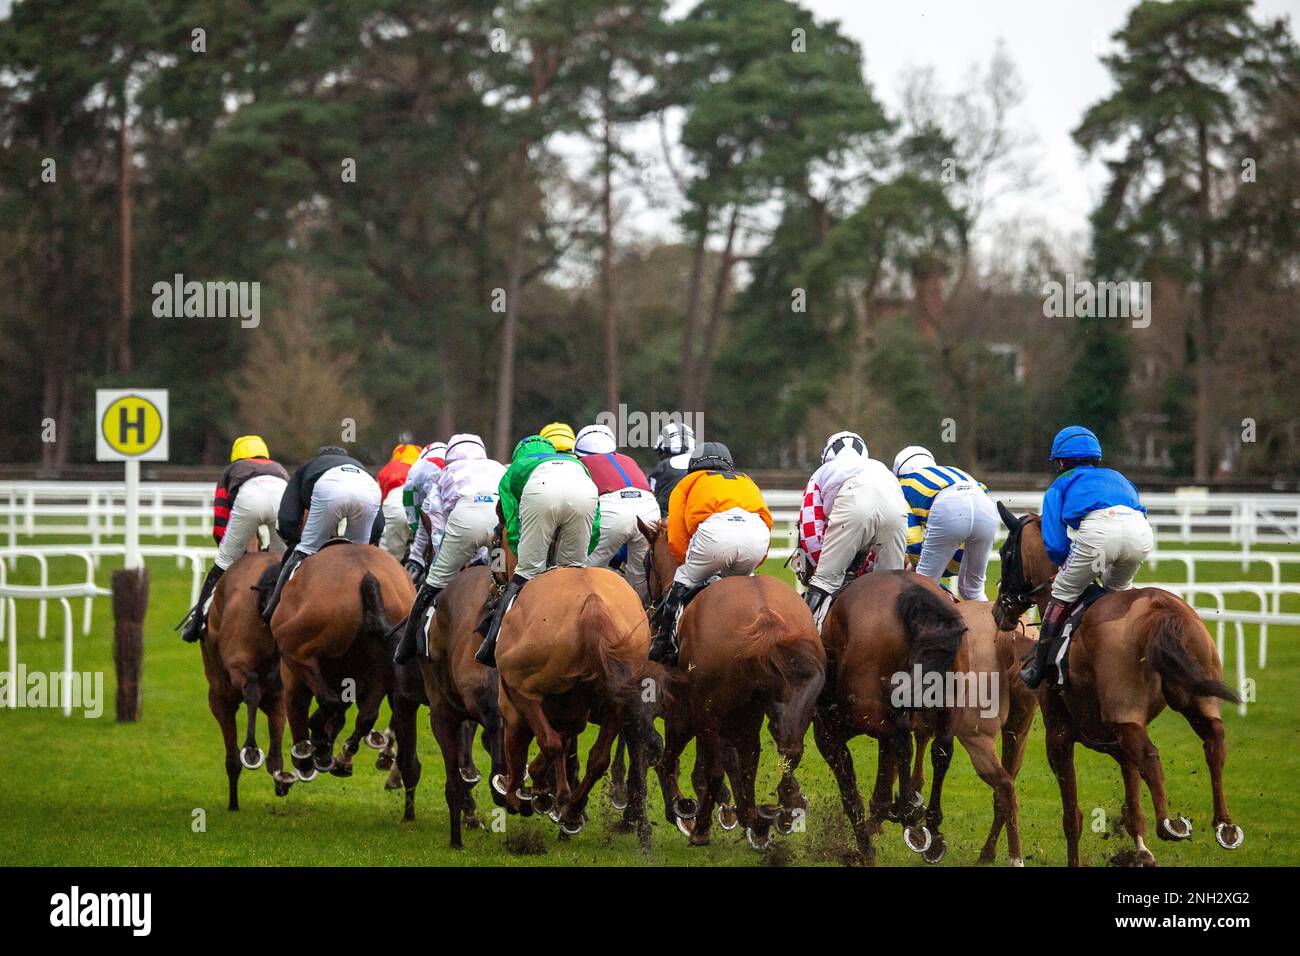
x=934, y=629
x=1168, y=655
x=774, y=653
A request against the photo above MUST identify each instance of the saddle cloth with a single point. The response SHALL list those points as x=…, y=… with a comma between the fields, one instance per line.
x=1086, y=600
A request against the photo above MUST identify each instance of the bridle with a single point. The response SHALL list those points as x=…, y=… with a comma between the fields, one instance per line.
x=653, y=584
x=1015, y=596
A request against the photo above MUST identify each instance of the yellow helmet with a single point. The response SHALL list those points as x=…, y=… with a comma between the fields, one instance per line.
x=406, y=454
x=560, y=435
x=249, y=446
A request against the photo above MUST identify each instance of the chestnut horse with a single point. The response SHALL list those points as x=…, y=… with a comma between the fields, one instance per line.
x=1133, y=653
x=575, y=638
x=243, y=667
x=460, y=691
x=883, y=629
x=748, y=649
x=331, y=626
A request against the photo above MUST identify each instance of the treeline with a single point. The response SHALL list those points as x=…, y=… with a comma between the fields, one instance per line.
x=433, y=253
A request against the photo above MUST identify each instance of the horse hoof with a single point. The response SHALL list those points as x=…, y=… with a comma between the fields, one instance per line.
x=618, y=796
x=252, y=757
x=1145, y=858
x=375, y=740
x=685, y=807
x=1180, y=831
x=755, y=844
x=785, y=821
x=323, y=763
x=384, y=761
x=499, y=784
x=341, y=768
x=1016, y=861
x=301, y=750
x=572, y=829
x=726, y=816
x=470, y=777
x=936, y=851
x=543, y=802
x=685, y=827
x=307, y=777
x=767, y=811
x=917, y=838
x=394, y=781
x=1229, y=835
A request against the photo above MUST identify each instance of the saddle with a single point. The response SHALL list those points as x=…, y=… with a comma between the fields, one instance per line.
x=1086, y=600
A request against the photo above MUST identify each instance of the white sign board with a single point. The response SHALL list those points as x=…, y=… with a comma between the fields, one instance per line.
x=131, y=424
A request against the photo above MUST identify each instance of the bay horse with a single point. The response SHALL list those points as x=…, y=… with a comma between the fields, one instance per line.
x=575, y=639
x=331, y=628
x=461, y=692
x=243, y=667
x=883, y=629
x=1133, y=653
x=748, y=649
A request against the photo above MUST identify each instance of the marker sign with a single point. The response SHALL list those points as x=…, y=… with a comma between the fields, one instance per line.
x=131, y=424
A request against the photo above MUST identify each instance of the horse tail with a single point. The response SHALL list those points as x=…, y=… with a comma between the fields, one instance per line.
x=776, y=653
x=1168, y=654
x=373, y=621
x=597, y=626
x=934, y=629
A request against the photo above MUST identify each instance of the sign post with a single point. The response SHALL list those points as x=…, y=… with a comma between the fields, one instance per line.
x=131, y=427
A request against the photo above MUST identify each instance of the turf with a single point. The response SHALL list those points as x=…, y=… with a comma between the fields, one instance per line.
x=77, y=791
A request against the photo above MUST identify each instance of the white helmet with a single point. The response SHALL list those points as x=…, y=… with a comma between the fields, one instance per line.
x=595, y=440
x=676, y=438
x=842, y=441
x=912, y=458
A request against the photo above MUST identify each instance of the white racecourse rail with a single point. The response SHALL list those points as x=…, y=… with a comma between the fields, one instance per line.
x=92, y=516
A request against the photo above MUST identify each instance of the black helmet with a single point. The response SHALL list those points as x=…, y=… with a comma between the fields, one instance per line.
x=712, y=454
x=330, y=450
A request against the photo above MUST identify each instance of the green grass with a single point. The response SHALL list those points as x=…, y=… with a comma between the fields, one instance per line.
x=76, y=791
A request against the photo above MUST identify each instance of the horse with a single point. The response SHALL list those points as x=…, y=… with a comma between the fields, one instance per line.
x=1133, y=653
x=331, y=628
x=242, y=667
x=575, y=639
x=883, y=630
x=748, y=649
x=461, y=693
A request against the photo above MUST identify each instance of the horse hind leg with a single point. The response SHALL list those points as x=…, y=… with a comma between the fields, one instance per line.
x=984, y=758
x=446, y=730
x=941, y=758
x=832, y=742
x=224, y=708
x=1154, y=776
x=1209, y=727
x=273, y=707
x=1060, y=757
x=252, y=756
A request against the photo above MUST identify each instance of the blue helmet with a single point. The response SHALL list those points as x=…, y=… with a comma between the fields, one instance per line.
x=1075, y=441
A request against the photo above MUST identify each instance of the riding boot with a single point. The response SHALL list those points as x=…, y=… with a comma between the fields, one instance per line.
x=196, y=623
x=819, y=602
x=291, y=560
x=663, y=649
x=409, y=643
x=487, y=652
x=1049, y=634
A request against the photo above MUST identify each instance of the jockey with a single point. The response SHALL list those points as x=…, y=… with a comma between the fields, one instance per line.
x=560, y=435
x=675, y=444
x=247, y=499
x=392, y=479
x=624, y=497
x=416, y=488
x=330, y=487
x=718, y=524
x=462, y=510
x=852, y=503
x=1111, y=535
x=951, y=523
x=547, y=499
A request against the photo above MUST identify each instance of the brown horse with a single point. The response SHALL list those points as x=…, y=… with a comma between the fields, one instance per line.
x=1134, y=653
x=461, y=692
x=331, y=626
x=883, y=630
x=575, y=638
x=242, y=667
x=749, y=649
